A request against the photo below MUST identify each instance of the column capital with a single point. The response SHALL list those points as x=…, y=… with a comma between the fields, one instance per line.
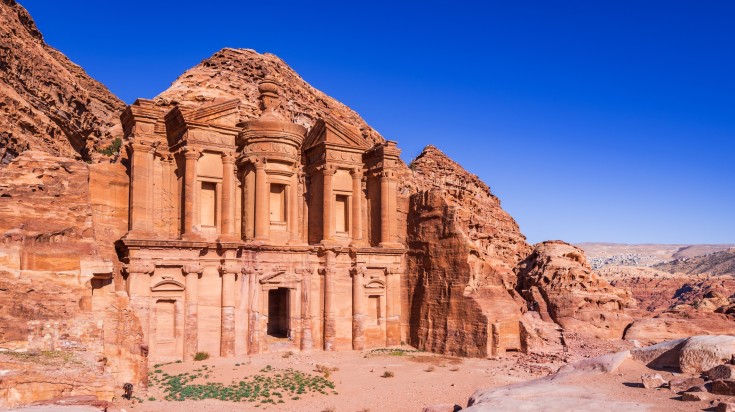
x=231, y=267
x=189, y=269
x=258, y=162
x=387, y=174
x=138, y=144
x=192, y=152
x=356, y=173
x=228, y=157
x=327, y=170
x=358, y=270
x=144, y=268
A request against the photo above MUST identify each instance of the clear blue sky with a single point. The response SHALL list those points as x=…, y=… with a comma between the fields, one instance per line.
x=591, y=120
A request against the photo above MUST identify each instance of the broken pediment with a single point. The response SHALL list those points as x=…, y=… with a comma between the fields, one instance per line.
x=331, y=131
x=280, y=278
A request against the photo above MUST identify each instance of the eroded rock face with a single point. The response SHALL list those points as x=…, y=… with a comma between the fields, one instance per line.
x=58, y=222
x=462, y=250
x=560, y=284
x=47, y=102
x=235, y=73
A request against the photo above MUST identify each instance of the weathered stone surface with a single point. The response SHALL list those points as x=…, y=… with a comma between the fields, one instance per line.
x=685, y=384
x=723, y=387
x=47, y=102
x=721, y=372
x=661, y=355
x=702, y=353
x=725, y=407
x=652, y=380
x=462, y=248
x=695, y=396
x=557, y=279
x=57, y=292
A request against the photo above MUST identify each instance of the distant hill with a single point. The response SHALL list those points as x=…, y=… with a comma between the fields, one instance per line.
x=602, y=254
x=716, y=264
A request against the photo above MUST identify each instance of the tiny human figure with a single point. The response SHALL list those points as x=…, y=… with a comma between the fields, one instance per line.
x=128, y=388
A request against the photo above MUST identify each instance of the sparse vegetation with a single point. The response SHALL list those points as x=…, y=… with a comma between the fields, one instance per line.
x=430, y=368
x=387, y=374
x=200, y=356
x=269, y=386
x=325, y=370
x=454, y=368
x=287, y=354
x=113, y=149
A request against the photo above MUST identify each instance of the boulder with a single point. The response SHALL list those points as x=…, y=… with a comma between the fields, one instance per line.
x=695, y=396
x=725, y=407
x=721, y=372
x=664, y=355
x=652, y=380
x=723, y=387
x=702, y=353
x=686, y=384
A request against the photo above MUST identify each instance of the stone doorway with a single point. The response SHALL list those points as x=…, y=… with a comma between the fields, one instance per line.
x=278, y=310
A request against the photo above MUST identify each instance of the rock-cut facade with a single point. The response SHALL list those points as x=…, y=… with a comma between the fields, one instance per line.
x=254, y=236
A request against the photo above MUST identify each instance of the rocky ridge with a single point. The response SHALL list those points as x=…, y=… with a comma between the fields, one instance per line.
x=47, y=102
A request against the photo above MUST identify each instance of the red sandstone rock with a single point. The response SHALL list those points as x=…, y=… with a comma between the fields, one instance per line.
x=47, y=102
x=463, y=246
x=557, y=277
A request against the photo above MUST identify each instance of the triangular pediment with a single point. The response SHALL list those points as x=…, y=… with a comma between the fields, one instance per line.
x=335, y=132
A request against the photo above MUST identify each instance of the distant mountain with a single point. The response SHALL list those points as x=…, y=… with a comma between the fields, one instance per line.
x=621, y=254
x=47, y=102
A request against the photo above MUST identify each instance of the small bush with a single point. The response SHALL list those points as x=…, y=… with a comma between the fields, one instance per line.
x=287, y=354
x=113, y=149
x=454, y=368
x=200, y=356
x=387, y=374
x=430, y=368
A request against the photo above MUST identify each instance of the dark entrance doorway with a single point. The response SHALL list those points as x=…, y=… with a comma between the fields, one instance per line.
x=278, y=313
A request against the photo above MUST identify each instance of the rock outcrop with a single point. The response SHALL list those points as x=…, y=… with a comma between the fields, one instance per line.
x=235, y=74
x=47, y=102
x=462, y=250
x=715, y=264
x=559, y=283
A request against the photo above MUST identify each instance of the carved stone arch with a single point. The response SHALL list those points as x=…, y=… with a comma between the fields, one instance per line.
x=375, y=284
x=168, y=285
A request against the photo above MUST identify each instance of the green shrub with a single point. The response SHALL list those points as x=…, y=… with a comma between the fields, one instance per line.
x=200, y=356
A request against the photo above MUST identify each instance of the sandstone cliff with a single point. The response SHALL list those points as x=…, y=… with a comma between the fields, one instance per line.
x=235, y=74
x=59, y=219
x=47, y=102
x=462, y=250
x=561, y=286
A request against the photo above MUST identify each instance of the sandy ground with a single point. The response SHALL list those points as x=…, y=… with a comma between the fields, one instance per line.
x=419, y=379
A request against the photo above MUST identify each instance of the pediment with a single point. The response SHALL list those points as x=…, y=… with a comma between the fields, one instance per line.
x=375, y=284
x=333, y=131
x=168, y=285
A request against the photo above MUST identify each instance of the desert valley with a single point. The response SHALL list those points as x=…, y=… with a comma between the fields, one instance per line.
x=243, y=241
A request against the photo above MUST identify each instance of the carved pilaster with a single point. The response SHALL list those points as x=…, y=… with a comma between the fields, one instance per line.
x=191, y=309
x=228, y=197
x=191, y=154
x=227, y=342
x=358, y=311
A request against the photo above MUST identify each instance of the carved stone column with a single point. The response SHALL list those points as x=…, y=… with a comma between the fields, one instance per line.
x=141, y=187
x=227, y=341
x=191, y=310
x=358, y=314
x=139, y=291
x=327, y=204
x=356, y=206
x=293, y=208
x=393, y=307
x=228, y=197
x=262, y=201
x=253, y=309
x=330, y=324
x=385, y=212
x=307, y=342
x=190, y=175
